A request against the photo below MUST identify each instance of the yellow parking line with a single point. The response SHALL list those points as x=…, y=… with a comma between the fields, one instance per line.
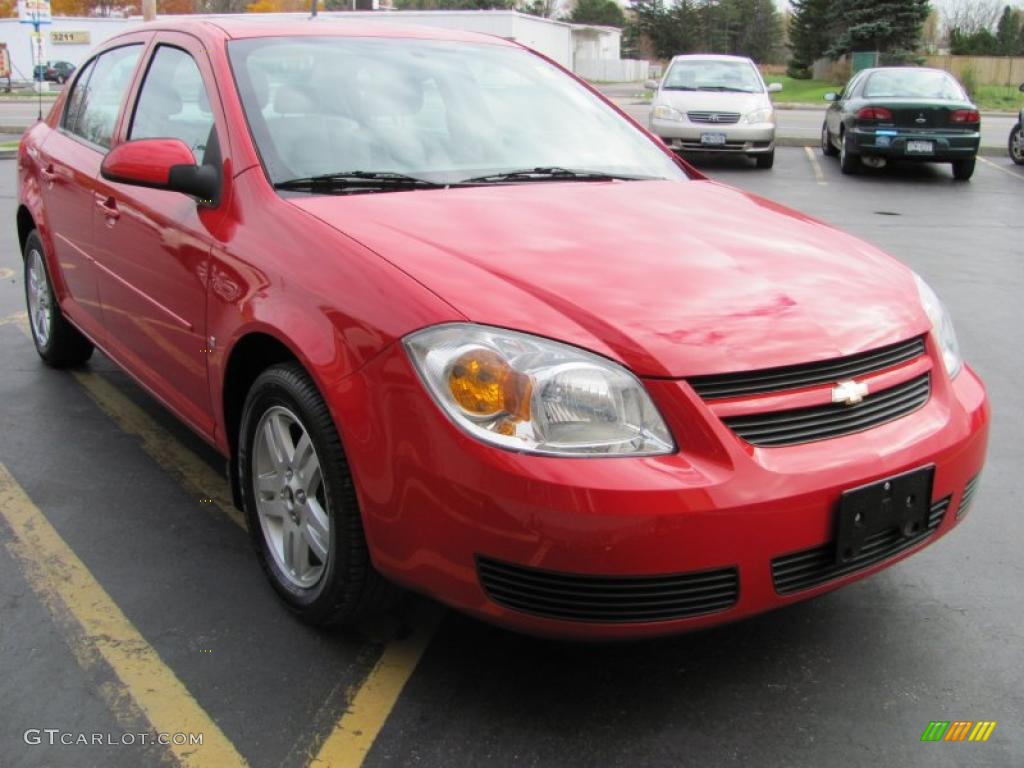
x=72, y=595
x=816, y=167
x=1007, y=171
x=347, y=745
x=18, y=318
x=178, y=461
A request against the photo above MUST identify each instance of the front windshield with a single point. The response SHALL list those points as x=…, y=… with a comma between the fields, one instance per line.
x=913, y=84
x=434, y=110
x=712, y=75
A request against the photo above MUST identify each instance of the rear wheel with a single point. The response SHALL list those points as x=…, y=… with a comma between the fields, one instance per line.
x=1016, y=144
x=57, y=341
x=848, y=161
x=963, y=169
x=827, y=148
x=300, y=503
x=766, y=160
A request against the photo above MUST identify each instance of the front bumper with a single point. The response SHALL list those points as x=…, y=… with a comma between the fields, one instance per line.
x=440, y=507
x=685, y=136
x=947, y=146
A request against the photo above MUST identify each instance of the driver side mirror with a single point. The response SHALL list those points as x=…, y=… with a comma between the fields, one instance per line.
x=774, y=87
x=831, y=96
x=1021, y=89
x=651, y=85
x=162, y=164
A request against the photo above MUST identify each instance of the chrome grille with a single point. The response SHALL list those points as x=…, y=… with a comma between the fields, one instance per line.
x=715, y=118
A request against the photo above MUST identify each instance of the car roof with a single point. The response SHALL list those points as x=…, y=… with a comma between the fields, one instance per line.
x=709, y=57
x=872, y=70
x=236, y=27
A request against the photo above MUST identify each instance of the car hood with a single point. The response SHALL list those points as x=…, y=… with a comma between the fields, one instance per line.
x=711, y=101
x=670, y=278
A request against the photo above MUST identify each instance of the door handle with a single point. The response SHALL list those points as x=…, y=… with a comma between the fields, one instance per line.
x=48, y=173
x=108, y=205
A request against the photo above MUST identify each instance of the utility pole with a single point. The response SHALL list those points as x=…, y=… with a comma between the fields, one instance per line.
x=312, y=8
x=148, y=10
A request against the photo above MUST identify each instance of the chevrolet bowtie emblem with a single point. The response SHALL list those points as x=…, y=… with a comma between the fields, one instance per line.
x=849, y=392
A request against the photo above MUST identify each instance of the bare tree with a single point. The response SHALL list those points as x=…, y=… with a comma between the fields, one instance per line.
x=971, y=16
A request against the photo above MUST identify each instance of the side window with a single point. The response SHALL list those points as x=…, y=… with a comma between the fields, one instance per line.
x=77, y=97
x=173, y=103
x=102, y=94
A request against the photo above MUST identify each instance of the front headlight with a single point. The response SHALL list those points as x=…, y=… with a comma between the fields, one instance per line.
x=766, y=115
x=942, y=326
x=529, y=394
x=665, y=112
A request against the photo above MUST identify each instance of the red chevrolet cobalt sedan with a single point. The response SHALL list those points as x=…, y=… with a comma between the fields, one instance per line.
x=460, y=325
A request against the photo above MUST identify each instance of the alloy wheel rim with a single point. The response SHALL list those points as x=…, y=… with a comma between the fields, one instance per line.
x=40, y=311
x=291, y=498
x=1017, y=147
x=824, y=139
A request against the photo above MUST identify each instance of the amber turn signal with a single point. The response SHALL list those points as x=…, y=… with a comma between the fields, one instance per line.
x=483, y=384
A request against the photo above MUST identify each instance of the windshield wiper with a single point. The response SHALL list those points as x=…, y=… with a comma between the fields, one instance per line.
x=678, y=88
x=552, y=173
x=723, y=88
x=358, y=181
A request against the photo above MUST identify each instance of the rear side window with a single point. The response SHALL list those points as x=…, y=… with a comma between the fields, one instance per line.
x=173, y=103
x=96, y=100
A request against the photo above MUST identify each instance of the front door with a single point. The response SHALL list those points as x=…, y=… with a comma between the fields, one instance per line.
x=154, y=245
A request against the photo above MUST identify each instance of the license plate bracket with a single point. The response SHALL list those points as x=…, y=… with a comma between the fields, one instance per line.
x=901, y=502
x=713, y=139
x=917, y=147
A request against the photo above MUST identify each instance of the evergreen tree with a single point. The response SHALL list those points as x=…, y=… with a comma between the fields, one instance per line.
x=809, y=34
x=604, y=12
x=887, y=26
x=1008, y=32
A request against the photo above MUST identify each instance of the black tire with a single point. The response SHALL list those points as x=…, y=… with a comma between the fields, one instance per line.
x=963, y=169
x=349, y=588
x=765, y=160
x=827, y=147
x=63, y=346
x=1015, y=145
x=849, y=163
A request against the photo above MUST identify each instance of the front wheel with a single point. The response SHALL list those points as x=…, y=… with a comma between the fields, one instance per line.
x=300, y=502
x=1016, y=145
x=827, y=147
x=57, y=341
x=766, y=160
x=963, y=169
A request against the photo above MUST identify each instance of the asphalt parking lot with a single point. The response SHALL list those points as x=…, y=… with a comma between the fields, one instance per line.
x=129, y=595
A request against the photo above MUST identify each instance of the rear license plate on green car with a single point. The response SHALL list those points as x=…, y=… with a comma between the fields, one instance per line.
x=920, y=147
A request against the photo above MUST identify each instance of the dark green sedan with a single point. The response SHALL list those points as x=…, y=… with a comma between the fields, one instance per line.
x=904, y=113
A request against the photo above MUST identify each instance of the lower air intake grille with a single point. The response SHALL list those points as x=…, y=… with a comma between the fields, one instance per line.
x=608, y=599
x=811, y=567
x=967, y=496
x=804, y=425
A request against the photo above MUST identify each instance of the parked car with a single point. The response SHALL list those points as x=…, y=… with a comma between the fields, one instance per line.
x=54, y=71
x=708, y=103
x=904, y=113
x=554, y=378
x=1015, y=145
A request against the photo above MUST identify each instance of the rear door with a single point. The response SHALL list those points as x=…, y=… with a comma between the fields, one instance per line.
x=154, y=245
x=70, y=160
